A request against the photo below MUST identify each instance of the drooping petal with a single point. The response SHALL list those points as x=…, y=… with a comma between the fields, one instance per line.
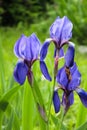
x=20, y=72
x=35, y=46
x=69, y=56
x=18, y=45
x=62, y=77
x=44, y=49
x=83, y=96
x=44, y=70
x=76, y=79
x=56, y=101
x=61, y=30
x=67, y=100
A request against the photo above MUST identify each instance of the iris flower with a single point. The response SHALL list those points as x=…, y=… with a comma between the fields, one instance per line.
x=69, y=79
x=60, y=34
x=27, y=49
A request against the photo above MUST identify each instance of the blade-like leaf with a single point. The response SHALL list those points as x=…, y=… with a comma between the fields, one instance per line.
x=83, y=127
x=27, y=109
x=39, y=100
x=7, y=96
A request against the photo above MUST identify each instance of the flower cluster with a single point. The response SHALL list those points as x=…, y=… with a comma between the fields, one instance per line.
x=29, y=49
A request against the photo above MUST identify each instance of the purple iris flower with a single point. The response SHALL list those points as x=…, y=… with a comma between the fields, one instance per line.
x=60, y=34
x=27, y=49
x=69, y=79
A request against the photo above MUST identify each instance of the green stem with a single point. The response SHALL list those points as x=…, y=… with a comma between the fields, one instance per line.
x=55, y=73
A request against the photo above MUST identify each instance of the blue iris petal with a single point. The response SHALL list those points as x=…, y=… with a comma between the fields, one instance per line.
x=68, y=100
x=44, y=70
x=62, y=77
x=56, y=101
x=66, y=32
x=61, y=52
x=61, y=30
x=27, y=47
x=20, y=72
x=32, y=47
x=69, y=57
x=83, y=96
x=18, y=45
x=76, y=80
x=44, y=49
x=35, y=45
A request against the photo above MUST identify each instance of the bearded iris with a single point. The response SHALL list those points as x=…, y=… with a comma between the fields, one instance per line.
x=69, y=79
x=60, y=34
x=27, y=49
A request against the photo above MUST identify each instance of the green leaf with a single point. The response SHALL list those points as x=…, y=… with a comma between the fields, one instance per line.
x=83, y=127
x=13, y=120
x=10, y=123
x=7, y=96
x=57, y=122
x=39, y=100
x=27, y=108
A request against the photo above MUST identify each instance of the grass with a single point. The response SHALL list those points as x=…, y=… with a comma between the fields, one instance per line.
x=8, y=37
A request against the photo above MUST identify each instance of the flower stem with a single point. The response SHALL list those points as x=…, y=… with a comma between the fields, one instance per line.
x=55, y=73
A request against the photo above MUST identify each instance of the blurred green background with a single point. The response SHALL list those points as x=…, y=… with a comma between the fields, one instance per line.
x=28, y=16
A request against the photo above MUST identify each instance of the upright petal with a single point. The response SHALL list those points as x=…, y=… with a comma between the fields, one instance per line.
x=56, y=101
x=69, y=56
x=83, y=96
x=35, y=46
x=62, y=77
x=18, y=45
x=28, y=49
x=55, y=29
x=66, y=31
x=20, y=72
x=44, y=49
x=61, y=30
x=44, y=70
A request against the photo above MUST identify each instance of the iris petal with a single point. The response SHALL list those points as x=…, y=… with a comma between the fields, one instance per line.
x=56, y=101
x=76, y=79
x=61, y=52
x=20, y=72
x=35, y=46
x=67, y=100
x=83, y=96
x=55, y=29
x=61, y=30
x=32, y=48
x=69, y=57
x=66, y=32
x=44, y=70
x=62, y=77
x=17, y=46
x=44, y=49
